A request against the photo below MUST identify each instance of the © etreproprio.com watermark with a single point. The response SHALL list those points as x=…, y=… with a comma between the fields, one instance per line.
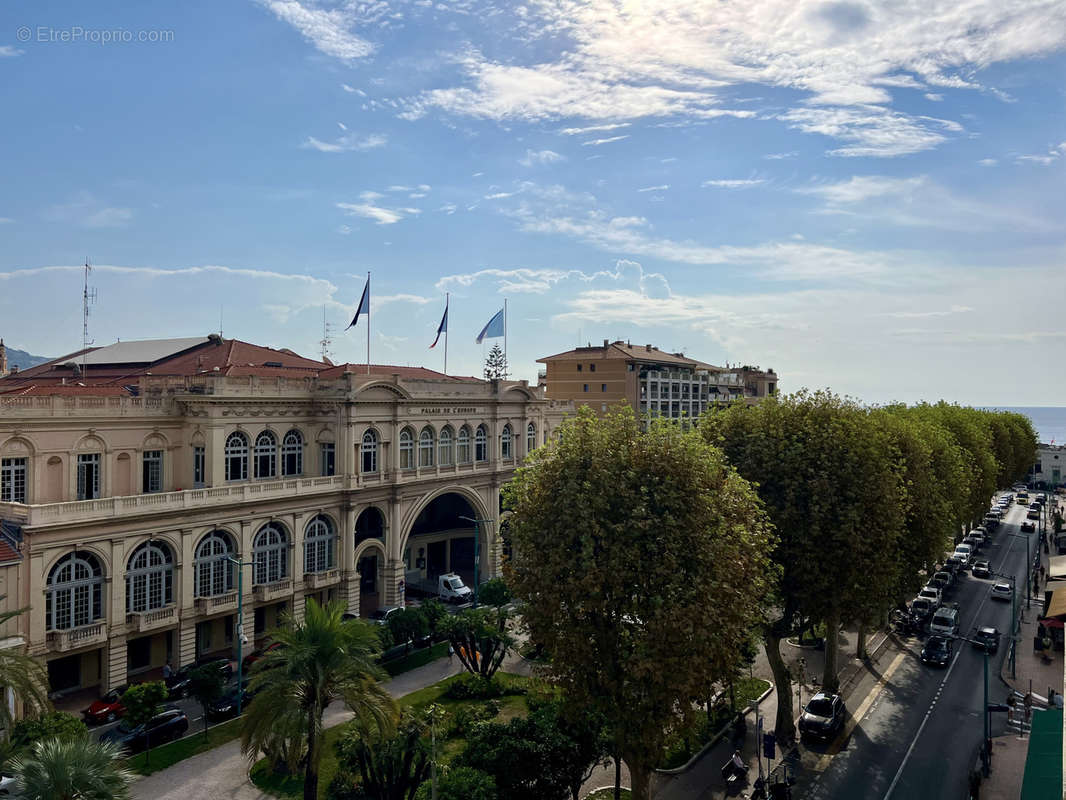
x=76, y=34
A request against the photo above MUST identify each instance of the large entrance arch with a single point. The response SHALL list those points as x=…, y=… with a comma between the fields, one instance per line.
x=441, y=540
x=370, y=559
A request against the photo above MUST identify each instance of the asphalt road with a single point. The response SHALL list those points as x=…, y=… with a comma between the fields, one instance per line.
x=914, y=731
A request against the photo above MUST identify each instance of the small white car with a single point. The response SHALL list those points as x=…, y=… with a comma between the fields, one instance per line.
x=932, y=594
x=1002, y=591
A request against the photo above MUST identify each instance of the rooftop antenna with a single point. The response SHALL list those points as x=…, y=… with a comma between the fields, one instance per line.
x=327, y=340
x=220, y=308
x=88, y=297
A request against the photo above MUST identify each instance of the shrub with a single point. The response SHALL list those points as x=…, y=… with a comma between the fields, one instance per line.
x=54, y=724
x=460, y=783
x=472, y=687
x=494, y=593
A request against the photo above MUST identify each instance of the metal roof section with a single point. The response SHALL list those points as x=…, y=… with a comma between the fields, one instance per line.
x=145, y=351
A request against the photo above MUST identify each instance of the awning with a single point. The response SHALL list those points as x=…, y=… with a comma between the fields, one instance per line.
x=1056, y=567
x=1052, y=623
x=1057, y=607
x=1043, y=764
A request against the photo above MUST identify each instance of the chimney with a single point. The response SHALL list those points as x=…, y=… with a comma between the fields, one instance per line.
x=647, y=348
x=605, y=342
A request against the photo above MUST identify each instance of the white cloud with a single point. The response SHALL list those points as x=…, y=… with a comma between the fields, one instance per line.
x=329, y=30
x=379, y=214
x=661, y=188
x=87, y=211
x=780, y=156
x=348, y=143
x=988, y=162
x=417, y=299
x=353, y=90
x=8, y=51
x=608, y=140
x=594, y=129
x=734, y=183
x=500, y=195
x=448, y=208
x=535, y=157
x=342, y=126
x=1054, y=153
x=934, y=96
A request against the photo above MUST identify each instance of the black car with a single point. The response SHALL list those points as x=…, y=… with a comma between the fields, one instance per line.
x=981, y=568
x=1028, y=527
x=953, y=564
x=165, y=727
x=921, y=610
x=178, y=685
x=986, y=639
x=938, y=651
x=226, y=706
x=822, y=717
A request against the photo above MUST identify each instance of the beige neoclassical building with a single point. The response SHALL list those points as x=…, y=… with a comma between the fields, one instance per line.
x=132, y=475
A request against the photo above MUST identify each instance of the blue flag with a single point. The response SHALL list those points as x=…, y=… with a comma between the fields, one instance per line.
x=364, y=304
x=493, y=329
x=442, y=328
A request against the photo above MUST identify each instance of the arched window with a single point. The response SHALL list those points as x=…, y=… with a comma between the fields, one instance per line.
x=444, y=447
x=292, y=453
x=266, y=455
x=270, y=552
x=407, y=449
x=214, y=571
x=319, y=545
x=370, y=452
x=149, y=578
x=462, y=446
x=506, y=450
x=481, y=451
x=75, y=592
x=236, y=457
x=531, y=438
x=425, y=447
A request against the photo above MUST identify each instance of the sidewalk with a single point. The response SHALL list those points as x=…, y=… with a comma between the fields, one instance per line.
x=222, y=773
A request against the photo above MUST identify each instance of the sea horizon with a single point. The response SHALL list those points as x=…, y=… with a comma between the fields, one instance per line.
x=1049, y=421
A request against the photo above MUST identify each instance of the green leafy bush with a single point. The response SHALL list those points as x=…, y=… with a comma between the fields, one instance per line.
x=54, y=724
x=472, y=687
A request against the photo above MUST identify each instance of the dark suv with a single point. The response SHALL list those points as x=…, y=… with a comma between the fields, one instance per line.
x=823, y=717
x=178, y=685
x=164, y=727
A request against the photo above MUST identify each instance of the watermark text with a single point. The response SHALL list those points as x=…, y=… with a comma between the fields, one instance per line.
x=76, y=34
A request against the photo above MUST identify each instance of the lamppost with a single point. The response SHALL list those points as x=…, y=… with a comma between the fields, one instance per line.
x=986, y=753
x=477, y=550
x=1028, y=566
x=241, y=639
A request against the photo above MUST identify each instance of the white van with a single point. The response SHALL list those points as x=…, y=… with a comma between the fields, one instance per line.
x=964, y=553
x=945, y=621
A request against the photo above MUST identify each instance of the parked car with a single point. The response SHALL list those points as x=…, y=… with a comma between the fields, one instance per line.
x=822, y=717
x=226, y=706
x=1033, y=513
x=1028, y=527
x=945, y=621
x=933, y=595
x=938, y=651
x=178, y=685
x=975, y=540
x=921, y=610
x=1002, y=591
x=987, y=639
x=380, y=616
x=255, y=655
x=107, y=709
x=7, y=787
x=964, y=553
x=981, y=568
x=942, y=580
x=954, y=565
x=165, y=727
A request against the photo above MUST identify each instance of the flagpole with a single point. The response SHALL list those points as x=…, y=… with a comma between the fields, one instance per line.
x=447, y=298
x=368, y=322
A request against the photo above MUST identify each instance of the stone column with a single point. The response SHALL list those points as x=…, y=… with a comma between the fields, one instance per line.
x=186, y=600
x=392, y=589
x=349, y=585
x=37, y=601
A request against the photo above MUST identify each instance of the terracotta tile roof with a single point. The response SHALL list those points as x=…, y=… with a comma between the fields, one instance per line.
x=7, y=552
x=56, y=389
x=620, y=350
x=390, y=370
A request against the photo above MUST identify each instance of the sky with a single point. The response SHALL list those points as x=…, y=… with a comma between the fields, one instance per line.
x=865, y=196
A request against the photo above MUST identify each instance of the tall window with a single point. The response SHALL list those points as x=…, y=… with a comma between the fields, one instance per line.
x=319, y=545
x=266, y=455
x=329, y=458
x=462, y=446
x=531, y=438
x=75, y=592
x=13, y=480
x=506, y=447
x=149, y=578
x=152, y=470
x=369, y=452
x=199, y=467
x=214, y=571
x=444, y=447
x=236, y=457
x=292, y=454
x=270, y=553
x=88, y=476
x=425, y=448
x=407, y=449
x=481, y=451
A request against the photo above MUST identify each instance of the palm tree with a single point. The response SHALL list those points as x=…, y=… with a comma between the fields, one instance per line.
x=72, y=769
x=24, y=675
x=322, y=658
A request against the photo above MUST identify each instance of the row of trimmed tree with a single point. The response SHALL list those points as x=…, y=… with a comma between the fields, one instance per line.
x=646, y=555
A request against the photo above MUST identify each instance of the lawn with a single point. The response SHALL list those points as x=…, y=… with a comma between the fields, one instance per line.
x=510, y=706
x=169, y=754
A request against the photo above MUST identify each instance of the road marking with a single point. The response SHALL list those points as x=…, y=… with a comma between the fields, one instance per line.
x=871, y=696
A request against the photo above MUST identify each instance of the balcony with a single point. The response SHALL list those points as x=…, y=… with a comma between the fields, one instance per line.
x=319, y=580
x=272, y=591
x=219, y=604
x=73, y=638
x=145, y=621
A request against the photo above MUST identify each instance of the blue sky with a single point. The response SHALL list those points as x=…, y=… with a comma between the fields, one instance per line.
x=856, y=195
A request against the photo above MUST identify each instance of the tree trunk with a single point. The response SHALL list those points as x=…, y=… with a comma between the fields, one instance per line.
x=784, y=725
x=860, y=647
x=830, y=681
x=311, y=772
x=617, y=777
x=639, y=780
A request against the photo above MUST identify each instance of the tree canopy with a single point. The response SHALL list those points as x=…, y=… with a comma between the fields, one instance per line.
x=642, y=560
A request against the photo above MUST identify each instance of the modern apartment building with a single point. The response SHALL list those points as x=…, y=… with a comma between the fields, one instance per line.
x=134, y=476
x=651, y=381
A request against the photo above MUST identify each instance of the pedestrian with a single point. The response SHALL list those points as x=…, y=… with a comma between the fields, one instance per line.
x=1028, y=706
x=451, y=652
x=1043, y=573
x=167, y=672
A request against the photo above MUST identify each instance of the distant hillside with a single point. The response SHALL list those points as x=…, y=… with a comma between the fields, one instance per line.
x=22, y=359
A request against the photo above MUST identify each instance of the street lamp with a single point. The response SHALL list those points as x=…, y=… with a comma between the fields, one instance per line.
x=986, y=752
x=241, y=638
x=477, y=550
x=1028, y=566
